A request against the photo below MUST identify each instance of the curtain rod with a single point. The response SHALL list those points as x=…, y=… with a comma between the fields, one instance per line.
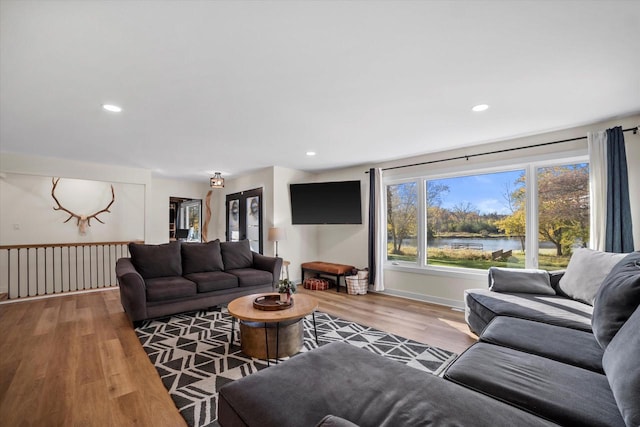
x=505, y=150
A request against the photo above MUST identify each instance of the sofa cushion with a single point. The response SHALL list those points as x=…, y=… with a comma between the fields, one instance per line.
x=530, y=281
x=616, y=299
x=169, y=288
x=236, y=255
x=555, y=310
x=561, y=393
x=201, y=257
x=333, y=421
x=251, y=276
x=586, y=271
x=156, y=260
x=360, y=386
x=620, y=362
x=577, y=348
x=213, y=280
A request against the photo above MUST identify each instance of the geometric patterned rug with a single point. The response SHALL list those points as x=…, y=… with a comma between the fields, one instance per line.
x=192, y=355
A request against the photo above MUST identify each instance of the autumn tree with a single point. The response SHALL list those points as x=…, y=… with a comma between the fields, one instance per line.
x=515, y=224
x=563, y=207
x=436, y=216
x=402, y=213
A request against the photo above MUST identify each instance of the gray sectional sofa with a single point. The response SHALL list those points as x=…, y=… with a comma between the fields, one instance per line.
x=161, y=280
x=536, y=365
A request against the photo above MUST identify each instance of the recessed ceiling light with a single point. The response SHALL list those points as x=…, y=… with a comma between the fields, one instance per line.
x=480, y=107
x=311, y=153
x=112, y=108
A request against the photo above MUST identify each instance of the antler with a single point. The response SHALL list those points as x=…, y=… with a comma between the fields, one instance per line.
x=60, y=207
x=95, y=215
x=83, y=221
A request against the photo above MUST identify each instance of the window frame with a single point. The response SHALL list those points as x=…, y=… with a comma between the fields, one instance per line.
x=529, y=165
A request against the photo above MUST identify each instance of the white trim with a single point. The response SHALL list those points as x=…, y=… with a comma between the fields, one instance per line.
x=458, y=272
x=426, y=298
x=59, y=294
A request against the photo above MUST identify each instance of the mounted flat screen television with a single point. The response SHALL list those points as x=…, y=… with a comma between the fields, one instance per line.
x=326, y=203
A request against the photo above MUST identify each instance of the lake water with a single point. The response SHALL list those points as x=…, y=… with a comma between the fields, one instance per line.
x=487, y=244
x=504, y=243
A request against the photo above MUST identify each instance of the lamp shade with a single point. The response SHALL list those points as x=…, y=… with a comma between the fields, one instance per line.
x=277, y=234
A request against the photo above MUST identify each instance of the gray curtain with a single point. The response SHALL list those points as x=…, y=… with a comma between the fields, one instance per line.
x=372, y=226
x=619, y=232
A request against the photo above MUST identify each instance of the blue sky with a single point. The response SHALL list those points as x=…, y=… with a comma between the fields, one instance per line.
x=484, y=192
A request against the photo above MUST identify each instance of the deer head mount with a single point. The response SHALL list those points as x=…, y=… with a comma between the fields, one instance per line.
x=83, y=220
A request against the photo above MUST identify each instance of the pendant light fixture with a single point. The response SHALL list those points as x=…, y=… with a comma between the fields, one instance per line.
x=216, y=181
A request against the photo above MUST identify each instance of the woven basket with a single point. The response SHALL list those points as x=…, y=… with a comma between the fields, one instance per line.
x=356, y=285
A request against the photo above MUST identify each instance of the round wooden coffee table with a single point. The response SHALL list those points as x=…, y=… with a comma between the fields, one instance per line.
x=271, y=334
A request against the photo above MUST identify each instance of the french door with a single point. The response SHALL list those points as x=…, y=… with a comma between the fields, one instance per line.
x=244, y=218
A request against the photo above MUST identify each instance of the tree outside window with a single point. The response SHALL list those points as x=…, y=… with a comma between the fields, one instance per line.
x=402, y=222
x=479, y=221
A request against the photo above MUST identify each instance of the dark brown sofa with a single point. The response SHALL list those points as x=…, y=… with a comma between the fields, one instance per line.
x=161, y=280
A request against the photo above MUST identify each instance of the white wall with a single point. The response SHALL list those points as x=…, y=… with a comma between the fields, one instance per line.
x=301, y=243
x=27, y=215
x=348, y=244
x=25, y=184
x=24, y=177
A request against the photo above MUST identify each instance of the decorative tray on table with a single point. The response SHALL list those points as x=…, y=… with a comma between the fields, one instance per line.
x=271, y=303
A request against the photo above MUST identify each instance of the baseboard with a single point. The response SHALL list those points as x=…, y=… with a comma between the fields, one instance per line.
x=455, y=304
x=59, y=294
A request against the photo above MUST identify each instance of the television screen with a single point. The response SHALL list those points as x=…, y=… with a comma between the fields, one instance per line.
x=326, y=203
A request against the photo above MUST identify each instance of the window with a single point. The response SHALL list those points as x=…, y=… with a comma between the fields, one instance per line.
x=402, y=220
x=467, y=217
x=563, y=213
x=532, y=217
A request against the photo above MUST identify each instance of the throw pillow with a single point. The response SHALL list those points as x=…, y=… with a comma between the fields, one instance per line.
x=236, y=255
x=156, y=260
x=586, y=271
x=528, y=281
x=616, y=299
x=201, y=257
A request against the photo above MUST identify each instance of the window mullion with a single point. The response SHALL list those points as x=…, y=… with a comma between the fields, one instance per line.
x=422, y=223
x=531, y=238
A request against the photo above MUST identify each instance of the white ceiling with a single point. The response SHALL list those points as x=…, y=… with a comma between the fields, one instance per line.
x=235, y=86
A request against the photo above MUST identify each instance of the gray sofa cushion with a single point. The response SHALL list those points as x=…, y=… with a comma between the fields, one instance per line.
x=359, y=386
x=577, y=348
x=251, y=276
x=623, y=370
x=556, y=391
x=617, y=298
x=333, y=421
x=236, y=255
x=213, y=280
x=528, y=281
x=169, y=288
x=586, y=271
x=201, y=257
x=156, y=260
x=482, y=305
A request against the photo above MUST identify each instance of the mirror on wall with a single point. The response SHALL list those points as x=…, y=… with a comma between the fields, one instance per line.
x=185, y=219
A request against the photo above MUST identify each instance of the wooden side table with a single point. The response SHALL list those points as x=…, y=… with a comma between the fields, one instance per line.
x=282, y=328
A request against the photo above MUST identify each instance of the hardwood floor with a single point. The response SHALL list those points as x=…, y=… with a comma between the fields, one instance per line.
x=75, y=360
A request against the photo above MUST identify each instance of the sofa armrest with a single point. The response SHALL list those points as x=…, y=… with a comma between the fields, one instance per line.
x=554, y=278
x=132, y=290
x=270, y=264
